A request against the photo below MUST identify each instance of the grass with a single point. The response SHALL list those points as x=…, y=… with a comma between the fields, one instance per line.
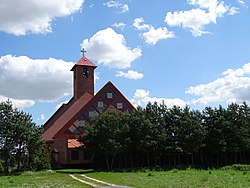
x=48, y=179
x=177, y=178
x=140, y=179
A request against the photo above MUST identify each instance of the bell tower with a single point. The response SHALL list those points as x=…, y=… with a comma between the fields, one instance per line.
x=83, y=76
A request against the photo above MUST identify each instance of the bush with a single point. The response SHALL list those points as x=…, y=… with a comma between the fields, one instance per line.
x=240, y=167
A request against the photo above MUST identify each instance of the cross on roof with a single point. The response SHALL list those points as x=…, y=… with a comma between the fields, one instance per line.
x=83, y=51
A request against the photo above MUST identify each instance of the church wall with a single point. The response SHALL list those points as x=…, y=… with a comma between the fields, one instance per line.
x=61, y=144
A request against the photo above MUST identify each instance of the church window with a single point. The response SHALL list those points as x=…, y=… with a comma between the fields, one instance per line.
x=119, y=105
x=91, y=113
x=74, y=155
x=109, y=95
x=100, y=104
x=79, y=123
x=85, y=72
x=72, y=128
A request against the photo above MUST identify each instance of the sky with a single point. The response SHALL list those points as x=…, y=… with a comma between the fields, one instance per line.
x=185, y=52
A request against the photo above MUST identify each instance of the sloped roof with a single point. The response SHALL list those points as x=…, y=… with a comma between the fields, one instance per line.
x=84, y=62
x=89, y=103
x=73, y=143
x=51, y=131
x=58, y=113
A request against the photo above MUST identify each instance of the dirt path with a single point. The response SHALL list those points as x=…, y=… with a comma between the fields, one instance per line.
x=107, y=185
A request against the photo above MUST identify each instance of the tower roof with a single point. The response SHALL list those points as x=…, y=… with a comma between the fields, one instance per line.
x=84, y=62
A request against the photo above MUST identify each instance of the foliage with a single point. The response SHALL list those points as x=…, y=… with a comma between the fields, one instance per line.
x=240, y=167
x=21, y=144
x=160, y=136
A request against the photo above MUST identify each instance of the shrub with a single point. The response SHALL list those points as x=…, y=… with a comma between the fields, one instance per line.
x=240, y=167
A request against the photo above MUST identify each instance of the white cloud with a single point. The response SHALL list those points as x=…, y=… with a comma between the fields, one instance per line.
x=243, y=3
x=142, y=98
x=154, y=35
x=234, y=86
x=151, y=35
x=116, y=4
x=41, y=117
x=120, y=25
x=60, y=104
x=196, y=19
x=20, y=104
x=109, y=48
x=140, y=25
x=27, y=80
x=32, y=16
x=132, y=75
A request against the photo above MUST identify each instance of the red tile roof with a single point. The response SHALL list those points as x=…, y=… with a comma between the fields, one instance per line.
x=66, y=117
x=73, y=143
x=58, y=113
x=73, y=112
x=84, y=62
x=94, y=99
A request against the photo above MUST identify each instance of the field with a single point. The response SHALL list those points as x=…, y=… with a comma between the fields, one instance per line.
x=141, y=179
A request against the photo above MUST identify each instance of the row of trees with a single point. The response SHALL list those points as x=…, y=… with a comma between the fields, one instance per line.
x=21, y=144
x=161, y=136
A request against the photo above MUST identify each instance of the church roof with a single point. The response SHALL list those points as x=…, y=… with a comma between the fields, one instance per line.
x=84, y=62
x=58, y=127
x=66, y=116
x=73, y=143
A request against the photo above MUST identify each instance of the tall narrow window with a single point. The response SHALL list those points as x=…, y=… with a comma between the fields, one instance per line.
x=85, y=72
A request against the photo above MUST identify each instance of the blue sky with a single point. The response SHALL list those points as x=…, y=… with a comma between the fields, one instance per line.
x=186, y=52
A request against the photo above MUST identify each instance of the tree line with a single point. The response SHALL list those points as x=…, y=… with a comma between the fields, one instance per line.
x=160, y=136
x=21, y=143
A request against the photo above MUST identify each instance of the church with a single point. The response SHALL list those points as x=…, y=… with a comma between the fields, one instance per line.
x=63, y=127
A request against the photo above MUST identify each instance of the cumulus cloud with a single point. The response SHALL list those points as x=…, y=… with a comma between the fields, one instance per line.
x=151, y=35
x=32, y=16
x=154, y=35
x=207, y=12
x=142, y=98
x=116, y=4
x=120, y=25
x=233, y=86
x=132, y=75
x=113, y=54
x=28, y=80
x=20, y=104
x=140, y=25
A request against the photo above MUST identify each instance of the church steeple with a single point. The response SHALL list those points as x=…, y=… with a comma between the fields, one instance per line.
x=83, y=77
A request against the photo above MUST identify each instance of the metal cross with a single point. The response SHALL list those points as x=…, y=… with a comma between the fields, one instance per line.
x=83, y=51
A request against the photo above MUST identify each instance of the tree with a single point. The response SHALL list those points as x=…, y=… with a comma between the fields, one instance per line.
x=17, y=132
x=107, y=135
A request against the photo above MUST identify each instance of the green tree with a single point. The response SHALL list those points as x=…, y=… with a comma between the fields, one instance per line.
x=17, y=132
x=107, y=135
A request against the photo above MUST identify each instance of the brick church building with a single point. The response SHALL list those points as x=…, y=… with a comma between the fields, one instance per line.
x=63, y=127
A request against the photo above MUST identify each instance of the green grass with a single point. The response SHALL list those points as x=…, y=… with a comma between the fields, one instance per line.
x=177, y=178
x=141, y=179
x=48, y=179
